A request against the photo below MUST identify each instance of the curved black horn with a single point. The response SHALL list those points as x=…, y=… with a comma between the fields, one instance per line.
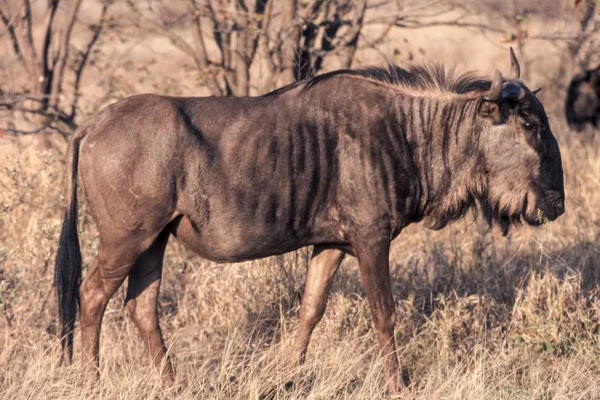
x=495, y=92
x=515, y=68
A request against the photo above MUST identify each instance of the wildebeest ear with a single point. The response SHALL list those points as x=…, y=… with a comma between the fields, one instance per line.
x=491, y=110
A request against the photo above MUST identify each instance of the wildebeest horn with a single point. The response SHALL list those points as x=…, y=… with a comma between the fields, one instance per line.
x=495, y=92
x=512, y=91
x=515, y=68
x=536, y=91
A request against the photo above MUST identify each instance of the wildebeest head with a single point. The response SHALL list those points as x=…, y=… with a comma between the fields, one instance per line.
x=521, y=164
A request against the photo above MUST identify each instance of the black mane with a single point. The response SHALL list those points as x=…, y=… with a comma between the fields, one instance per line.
x=433, y=77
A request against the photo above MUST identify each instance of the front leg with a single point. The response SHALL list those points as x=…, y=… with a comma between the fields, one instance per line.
x=373, y=259
x=323, y=264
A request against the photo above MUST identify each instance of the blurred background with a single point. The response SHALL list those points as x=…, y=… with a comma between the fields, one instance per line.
x=480, y=315
x=64, y=60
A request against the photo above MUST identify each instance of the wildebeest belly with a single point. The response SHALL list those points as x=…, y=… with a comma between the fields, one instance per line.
x=240, y=241
x=238, y=214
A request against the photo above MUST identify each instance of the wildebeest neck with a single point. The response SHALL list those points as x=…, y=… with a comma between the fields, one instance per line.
x=443, y=133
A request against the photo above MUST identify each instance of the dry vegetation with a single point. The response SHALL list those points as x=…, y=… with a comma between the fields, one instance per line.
x=480, y=316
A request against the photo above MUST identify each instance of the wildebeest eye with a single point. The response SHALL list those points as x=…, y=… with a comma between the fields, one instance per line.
x=528, y=126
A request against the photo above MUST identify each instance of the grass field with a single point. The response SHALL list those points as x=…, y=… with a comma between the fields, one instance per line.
x=480, y=316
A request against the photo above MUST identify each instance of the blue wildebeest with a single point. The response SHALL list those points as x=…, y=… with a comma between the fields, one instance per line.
x=582, y=105
x=343, y=162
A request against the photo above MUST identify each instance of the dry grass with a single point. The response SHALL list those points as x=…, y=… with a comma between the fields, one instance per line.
x=480, y=316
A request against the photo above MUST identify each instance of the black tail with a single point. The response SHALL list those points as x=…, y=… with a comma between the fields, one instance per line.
x=67, y=272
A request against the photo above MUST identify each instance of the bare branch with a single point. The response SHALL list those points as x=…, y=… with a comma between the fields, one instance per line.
x=51, y=112
x=290, y=34
x=46, y=68
x=380, y=4
x=63, y=53
x=374, y=44
x=563, y=37
x=197, y=52
x=29, y=47
x=97, y=29
x=201, y=58
x=13, y=37
x=42, y=128
x=246, y=25
x=350, y=40
x=415, y=23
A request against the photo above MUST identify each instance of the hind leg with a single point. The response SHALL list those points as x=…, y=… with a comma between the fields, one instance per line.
x=111, y=266
x=142, y=300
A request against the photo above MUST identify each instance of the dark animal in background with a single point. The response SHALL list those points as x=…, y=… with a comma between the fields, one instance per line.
x=343, y=161
x=582, y=106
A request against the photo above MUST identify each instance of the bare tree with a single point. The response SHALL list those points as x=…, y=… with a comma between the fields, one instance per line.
x=288, y=39
x=296, y=36
x=47, y=60
x=329, y=28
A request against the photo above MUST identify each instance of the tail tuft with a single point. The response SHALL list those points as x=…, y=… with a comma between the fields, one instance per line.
x=67, y=272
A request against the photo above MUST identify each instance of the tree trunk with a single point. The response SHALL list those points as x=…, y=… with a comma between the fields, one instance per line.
x=290, y=36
